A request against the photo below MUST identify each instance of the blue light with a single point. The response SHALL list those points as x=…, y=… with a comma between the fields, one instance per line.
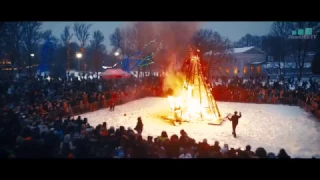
x=44, y=59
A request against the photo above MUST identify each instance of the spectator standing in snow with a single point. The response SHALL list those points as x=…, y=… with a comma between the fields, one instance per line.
x=139, y=126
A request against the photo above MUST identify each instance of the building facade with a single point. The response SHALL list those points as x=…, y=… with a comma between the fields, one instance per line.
x=288, y=67
x=246, y=61
x=251, y=61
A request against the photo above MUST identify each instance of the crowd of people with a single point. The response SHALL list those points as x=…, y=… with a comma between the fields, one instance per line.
x=264, y=90
x=62, y=97
x=75, y=138
x=38, y=119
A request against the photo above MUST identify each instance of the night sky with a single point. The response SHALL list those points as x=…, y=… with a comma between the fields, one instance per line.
x=233, y=30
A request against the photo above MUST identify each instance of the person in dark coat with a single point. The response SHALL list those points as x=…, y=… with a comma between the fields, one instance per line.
x=283, y=154
x=235, y=119
x=113, y=101
x=139, y=126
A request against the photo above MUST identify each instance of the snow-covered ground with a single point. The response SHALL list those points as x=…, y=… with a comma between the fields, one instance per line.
x=269, y=126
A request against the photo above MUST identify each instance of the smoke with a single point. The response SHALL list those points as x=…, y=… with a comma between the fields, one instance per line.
x=174, y=37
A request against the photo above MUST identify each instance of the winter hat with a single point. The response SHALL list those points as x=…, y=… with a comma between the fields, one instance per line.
x=67, y=138
x=272, y=156
x=225, y=148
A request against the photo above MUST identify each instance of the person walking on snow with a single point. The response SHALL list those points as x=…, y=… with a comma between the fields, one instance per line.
x=235, y=120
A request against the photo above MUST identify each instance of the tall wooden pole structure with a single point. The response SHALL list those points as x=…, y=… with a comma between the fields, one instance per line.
x=201, y=88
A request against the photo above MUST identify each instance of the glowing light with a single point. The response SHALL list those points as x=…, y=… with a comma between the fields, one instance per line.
x=244, y=70
x=32, y=55
x=116, y=53
x=258, y=70
x=235, y=70
x=194, y=58
x=79, y=55
x=106, y=67
x=189, y=103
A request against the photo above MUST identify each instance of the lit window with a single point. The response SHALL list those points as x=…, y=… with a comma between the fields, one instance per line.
x=227, y=70
x=258, y=70
x=235, y=70
x=244, y=70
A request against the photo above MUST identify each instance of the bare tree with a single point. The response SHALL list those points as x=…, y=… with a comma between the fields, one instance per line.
x=116, y=39
x=130, y=43
x=97, y=40
x=213, y=45
x=249, y=40
x=66, y=37
x=81, y=31
x=31, y=36
x=48, y=36
x=202, y=39
x=281, y=30
x=245, y=41
x=124, y=39
x=98, y=49
x=11, y=41
x=300, y=47
x=143, y=39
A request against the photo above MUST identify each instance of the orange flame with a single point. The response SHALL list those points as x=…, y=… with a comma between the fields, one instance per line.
x=186, y=104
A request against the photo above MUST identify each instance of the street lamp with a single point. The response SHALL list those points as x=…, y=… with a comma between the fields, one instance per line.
x=79, y=56
x=118, y=51
x=30, y=63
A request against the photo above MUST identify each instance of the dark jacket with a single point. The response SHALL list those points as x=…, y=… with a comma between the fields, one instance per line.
x=139, y=127
x=235, y=119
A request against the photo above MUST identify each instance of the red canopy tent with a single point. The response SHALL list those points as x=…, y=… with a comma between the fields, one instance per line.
x=114, y=73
